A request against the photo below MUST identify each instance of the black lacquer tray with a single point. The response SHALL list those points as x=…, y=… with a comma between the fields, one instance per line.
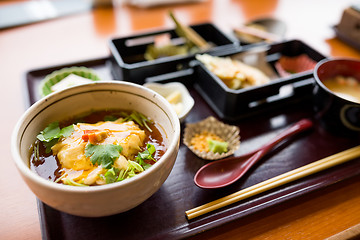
x=162, y=216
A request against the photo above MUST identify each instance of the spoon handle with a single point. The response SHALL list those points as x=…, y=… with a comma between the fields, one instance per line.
x=298, y=127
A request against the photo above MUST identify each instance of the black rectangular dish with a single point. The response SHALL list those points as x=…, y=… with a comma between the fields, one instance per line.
x=162, y=216
x=128, y=62
x=233, y=104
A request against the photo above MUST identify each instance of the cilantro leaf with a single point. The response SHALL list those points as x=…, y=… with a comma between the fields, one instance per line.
x=51, y=134
x=150, y=148
x=66, y=131
x=53, y=131
x=147, y=154
x=103, y=155
x=48, y=145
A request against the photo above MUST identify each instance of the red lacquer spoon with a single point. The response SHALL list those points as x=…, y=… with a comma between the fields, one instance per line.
x=226, y=171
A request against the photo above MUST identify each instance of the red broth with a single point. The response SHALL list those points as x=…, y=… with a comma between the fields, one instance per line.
x=48, y=166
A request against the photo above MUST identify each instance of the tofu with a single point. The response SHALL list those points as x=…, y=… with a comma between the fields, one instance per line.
x=70, y=151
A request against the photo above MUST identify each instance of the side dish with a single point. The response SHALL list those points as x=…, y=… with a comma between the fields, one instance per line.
x=164, y=46
x=66, y=77
x=286, y=65
x=69, y=81
x=207, y=141
x=174, y=98
x=235, y=74
x=176, y=94
x=211, y=139
x=96, y=149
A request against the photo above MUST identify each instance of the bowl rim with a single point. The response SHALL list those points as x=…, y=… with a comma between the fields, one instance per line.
x=326, y=60
x=51, y=98
x=319, y=82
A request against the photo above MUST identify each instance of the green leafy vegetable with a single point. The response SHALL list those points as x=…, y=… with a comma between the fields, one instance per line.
x=111, y=175
x=138, y=118
x=63, y=176
x=51, y=134
x=53, y=131
x=147, y=154
x=103, y=155
x=66, y=131
x=36, y=151
x=71, y=182
x=122, y=174
x=110, y=118
x=135, y=166
x=131, y=171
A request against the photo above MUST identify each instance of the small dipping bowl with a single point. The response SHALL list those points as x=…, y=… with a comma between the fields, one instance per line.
x=167, y=89
x=336, y=114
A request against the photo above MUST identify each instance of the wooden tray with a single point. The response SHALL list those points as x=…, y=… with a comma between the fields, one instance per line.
x=162, y=216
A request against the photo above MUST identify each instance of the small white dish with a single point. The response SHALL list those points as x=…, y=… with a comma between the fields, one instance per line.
x=175, y=90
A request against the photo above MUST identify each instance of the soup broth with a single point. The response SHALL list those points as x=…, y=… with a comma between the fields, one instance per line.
x=103, y=147
x=345, y=87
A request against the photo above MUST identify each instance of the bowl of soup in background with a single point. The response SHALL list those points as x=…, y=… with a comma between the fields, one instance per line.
x=337, y=95
x=109, y=199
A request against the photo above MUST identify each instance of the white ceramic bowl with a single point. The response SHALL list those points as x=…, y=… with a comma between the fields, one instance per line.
x=97, y=200
x=165, y=89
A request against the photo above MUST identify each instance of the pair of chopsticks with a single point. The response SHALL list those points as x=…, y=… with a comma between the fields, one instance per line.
x=277, y=181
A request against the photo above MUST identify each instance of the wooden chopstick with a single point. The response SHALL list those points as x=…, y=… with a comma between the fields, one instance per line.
x=190, y=34
x=267, y=36
x=277, y=181
x=350, y=233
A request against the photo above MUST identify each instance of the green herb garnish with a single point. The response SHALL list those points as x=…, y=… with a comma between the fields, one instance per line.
x=110, y=118
x=138, y=118
x=147, y=154
x=111, y=175
x=133, y=168
x=52, y=133
x=103, y=155
x=71, y=182
x=36, y=151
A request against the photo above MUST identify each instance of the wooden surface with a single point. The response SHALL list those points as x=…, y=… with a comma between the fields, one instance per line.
x=84, y=36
